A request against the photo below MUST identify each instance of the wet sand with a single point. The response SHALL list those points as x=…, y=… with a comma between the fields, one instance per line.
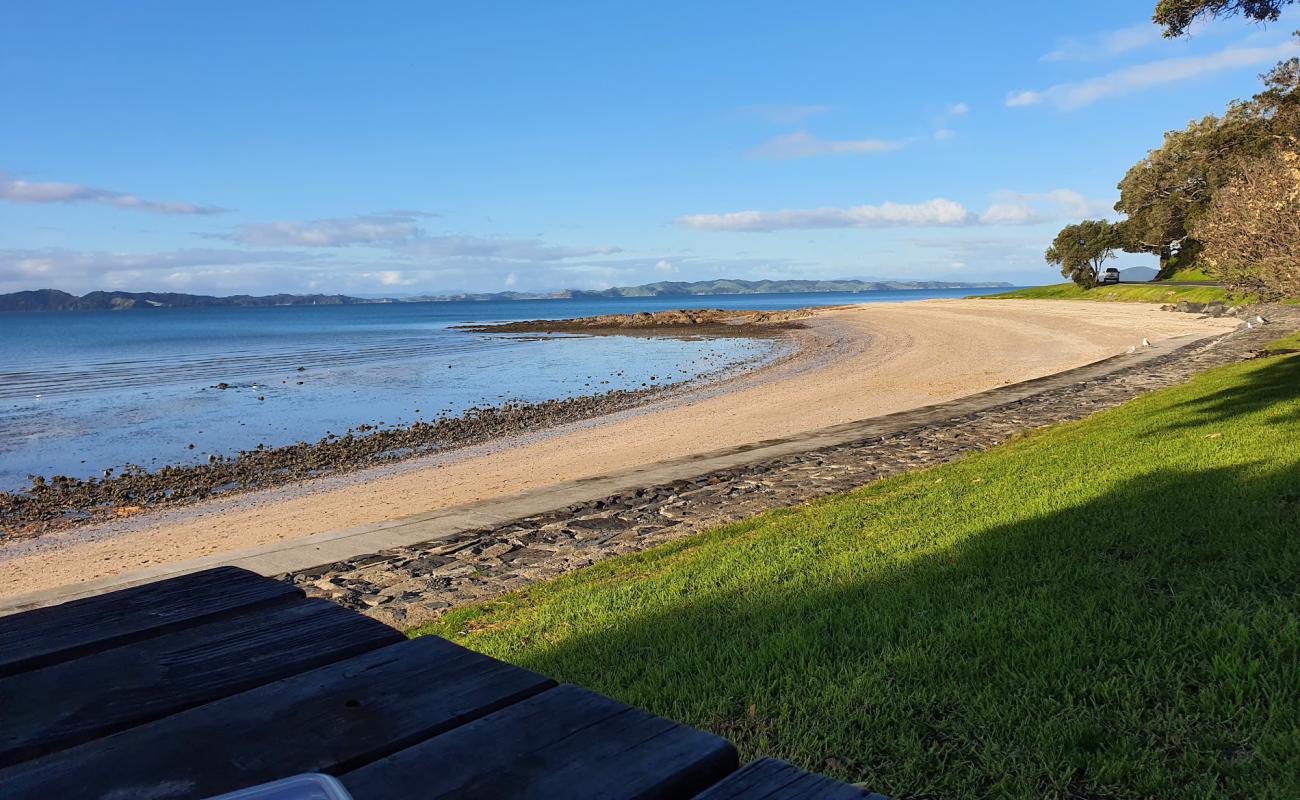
x=854, y=363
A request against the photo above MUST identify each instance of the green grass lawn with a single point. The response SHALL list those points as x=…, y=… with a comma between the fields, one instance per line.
x=1124, y=293
x=1190, y=274
x=1109, y=608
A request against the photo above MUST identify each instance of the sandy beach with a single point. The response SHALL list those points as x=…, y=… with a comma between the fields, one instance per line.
x=853, y=363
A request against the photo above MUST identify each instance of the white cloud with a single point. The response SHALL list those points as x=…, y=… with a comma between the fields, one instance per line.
x=399, y=233
x=394, y=277
x=1062, y=202
x=19, y=191
x=802, y=144
x=943, y=134
x=1105, y=45
x=1024, y=97
x=1011, y=214
x=66, y=269
x=1007, y=208
x=784, y=115
x=1069, y=96
x=501, y=249
x=664, y=265
x=957, y=109
x=365, y=230
x=933, y=213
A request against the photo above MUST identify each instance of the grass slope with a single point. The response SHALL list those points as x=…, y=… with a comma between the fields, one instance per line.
x=1109, y=608
x=1190, y=274
x=1123, y=293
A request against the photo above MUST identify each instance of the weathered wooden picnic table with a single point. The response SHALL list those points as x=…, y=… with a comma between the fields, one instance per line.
x=219, y=680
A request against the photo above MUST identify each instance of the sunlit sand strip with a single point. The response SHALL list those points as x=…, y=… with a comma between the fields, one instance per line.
x=855, y=364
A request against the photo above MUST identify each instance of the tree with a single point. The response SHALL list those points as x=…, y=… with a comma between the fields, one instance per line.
x=1165, y=194
x=1080, y=250
x=1176, y=16
x=1251, y=231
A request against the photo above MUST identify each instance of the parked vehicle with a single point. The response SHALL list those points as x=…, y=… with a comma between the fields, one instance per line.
x=1111, y=275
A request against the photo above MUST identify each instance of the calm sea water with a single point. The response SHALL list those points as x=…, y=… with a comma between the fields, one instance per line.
x=81, y=392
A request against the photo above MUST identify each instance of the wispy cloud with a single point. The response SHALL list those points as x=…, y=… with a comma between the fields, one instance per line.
x=400, y=234
x=1054, y=204
x=1008, y=208
x=958, y=109
x=372, y=229
x=783, y=114
x=224, y=271
x=937, y=212
x=61, y=267
x=20, y=191
x=502, y=249
x=1134, y=79
x=802, y=144
x=1012, y=214
x=1107, y=44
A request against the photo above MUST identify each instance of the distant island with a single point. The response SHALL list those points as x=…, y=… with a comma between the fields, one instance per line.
x=722, y=286
x=56, y=300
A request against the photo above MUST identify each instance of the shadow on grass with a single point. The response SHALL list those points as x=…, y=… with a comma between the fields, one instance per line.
x=1275, y=382
x=1143, y=645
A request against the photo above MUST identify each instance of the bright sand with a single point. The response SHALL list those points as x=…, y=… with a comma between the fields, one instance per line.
x=855, y=363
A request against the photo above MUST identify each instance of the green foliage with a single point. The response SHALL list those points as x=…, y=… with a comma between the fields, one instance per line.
x=1190, y=274
x=1251, y=233
x=1163, y=195
x=1169, y=192
x=1081, y=249
x=1124, y=293
x=1177, y=15
x=1102, y=609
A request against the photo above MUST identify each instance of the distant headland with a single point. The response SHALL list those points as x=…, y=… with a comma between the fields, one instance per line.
x=56, y=300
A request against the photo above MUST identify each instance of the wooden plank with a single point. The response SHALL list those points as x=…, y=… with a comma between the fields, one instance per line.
x=772, y=779
x=567, y=742
x=75, y=701
x=45, y=636
x=331, y=720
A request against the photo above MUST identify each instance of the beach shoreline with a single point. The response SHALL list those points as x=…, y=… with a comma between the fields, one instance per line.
x=850, y=363
x=57, y=503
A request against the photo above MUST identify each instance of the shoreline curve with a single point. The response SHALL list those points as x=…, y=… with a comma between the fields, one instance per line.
x=850, y=364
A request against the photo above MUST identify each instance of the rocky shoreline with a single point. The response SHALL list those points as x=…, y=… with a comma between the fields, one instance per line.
x=713, y=321
x=60, y=502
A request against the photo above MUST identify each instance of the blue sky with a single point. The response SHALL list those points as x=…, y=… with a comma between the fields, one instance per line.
x=399, y=148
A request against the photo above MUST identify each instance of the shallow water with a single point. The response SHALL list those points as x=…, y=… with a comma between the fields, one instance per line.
x=84, y=391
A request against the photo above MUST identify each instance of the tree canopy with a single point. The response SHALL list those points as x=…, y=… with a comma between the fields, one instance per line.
x=1164, y=196
x=1081, y=249
x=1175, y=16
x=1251, y=231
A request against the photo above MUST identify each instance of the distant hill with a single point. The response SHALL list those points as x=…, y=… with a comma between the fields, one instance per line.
x=721, y=287
x=55, y=300
x=1137, y=274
